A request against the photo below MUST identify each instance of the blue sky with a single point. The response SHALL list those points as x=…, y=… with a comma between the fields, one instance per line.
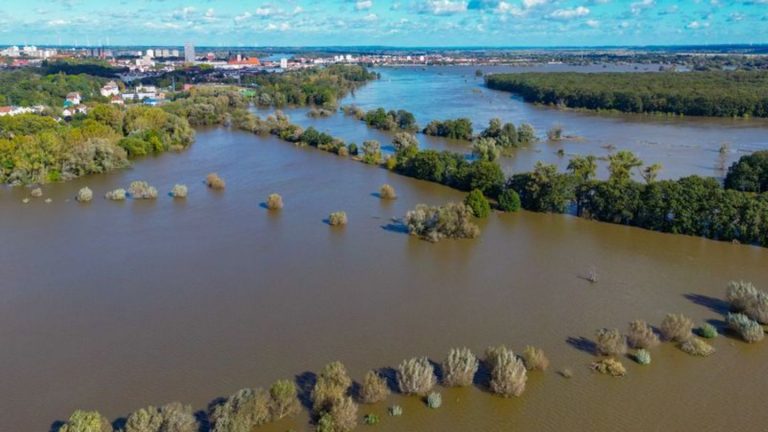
x=379, y=22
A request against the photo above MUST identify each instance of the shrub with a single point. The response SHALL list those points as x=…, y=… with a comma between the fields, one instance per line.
x=434, y=400
x=371, y=152
x=144, y=420
x=395, y=410
x=274, y=202
x=416, y=376
x=331, y=386
x=179, y=191
x=337, y=218
x=757, y=308
x=86, y=421
x=284, y=401
x=509, y=201
x=36, y=193
x=344, y=415
x=241, y=412
x=371, y=419
x=342, y=151
x=707, y=331
x=116, y=195
x=508, y=373
x=452, y=220
x=555, y=133
x=178, y=418
x=643, y=356
x=459, y=368
x=391, y=163
x=610, y=342
x=387, y=192
x=486, y=149
x=641, y=335
x=740, y=294
x=676, y=327
x=404, y=141
x=374, y=388
x=213, y=181
x=609, y=366
x=697, y=347
x=142, y=190
x=353, y=149
x=535, y=359
x=172, y=417
x=478, y=203
x=748, y=329
x=84, y=195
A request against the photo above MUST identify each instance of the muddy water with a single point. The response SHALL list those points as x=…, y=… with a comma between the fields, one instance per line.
x=114, y=306
x=684, y=146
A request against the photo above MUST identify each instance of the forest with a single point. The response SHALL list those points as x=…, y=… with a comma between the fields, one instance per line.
x=711, y=93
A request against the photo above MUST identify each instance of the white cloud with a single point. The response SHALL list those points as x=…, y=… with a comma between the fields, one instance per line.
x=371, y=17
x=568, y=14
x=507, y=8
x=363, y=4
x=533, y=3
x=278, y=27
x=695, y=25
x=593, y=23
x=445, y=7
x=245, y=16
x=642, y=5
x=58, y=22
x=263, y=11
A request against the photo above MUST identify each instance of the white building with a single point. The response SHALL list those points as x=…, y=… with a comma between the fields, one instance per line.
x=73, y=98
x=283, y=63
x=110, y=89
x=15, y=110
x=189, y=53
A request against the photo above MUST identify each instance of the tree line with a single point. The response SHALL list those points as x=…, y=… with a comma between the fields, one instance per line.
x=711, y=93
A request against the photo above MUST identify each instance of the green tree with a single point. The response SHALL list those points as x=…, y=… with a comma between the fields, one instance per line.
x=621, y=164
x=480, y=206
x=583, y=168
x=509, y=201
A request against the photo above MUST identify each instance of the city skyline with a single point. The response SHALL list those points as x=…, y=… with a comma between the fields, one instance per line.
x=390, y=23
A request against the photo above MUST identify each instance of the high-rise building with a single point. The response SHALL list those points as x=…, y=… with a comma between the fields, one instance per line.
x=189, y=52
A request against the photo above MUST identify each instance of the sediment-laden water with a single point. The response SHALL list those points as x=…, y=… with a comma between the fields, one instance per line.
x=114, y=306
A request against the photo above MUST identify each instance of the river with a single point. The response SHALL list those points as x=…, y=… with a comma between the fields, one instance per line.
x=682, y=145
x=114, y=306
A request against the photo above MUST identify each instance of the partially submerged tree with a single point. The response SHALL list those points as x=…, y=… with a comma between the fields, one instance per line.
x=416, y=376
x=459, y=368
x=374, y=388
x=508, y=373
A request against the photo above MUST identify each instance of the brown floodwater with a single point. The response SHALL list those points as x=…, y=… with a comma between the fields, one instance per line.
x=114, y=306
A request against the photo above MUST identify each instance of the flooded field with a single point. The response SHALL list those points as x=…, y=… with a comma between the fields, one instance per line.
x=115, y=306
x=683, y=145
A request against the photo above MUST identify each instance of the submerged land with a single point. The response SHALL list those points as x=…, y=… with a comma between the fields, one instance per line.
x=283, y=232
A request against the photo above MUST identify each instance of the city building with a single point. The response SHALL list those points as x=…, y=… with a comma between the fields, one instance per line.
x=189, y=53
x=110, y=89
x=73, y=99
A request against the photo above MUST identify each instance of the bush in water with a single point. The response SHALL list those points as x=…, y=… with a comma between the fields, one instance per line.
x=459, y=368
x=416, y=376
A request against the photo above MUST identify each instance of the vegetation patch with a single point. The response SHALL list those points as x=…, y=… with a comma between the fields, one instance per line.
x=450, y=221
